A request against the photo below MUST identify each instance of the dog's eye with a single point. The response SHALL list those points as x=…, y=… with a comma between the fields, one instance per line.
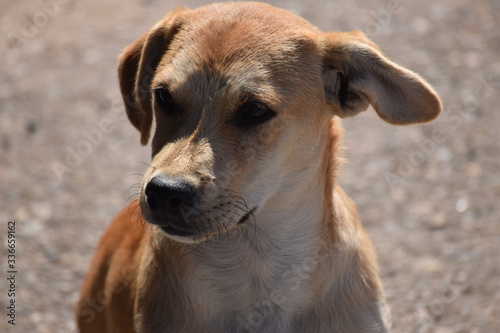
x=253, y=114
x=165, y=101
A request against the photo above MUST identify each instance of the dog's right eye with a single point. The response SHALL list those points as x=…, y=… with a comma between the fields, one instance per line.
x=165, y=102
x=252, y=114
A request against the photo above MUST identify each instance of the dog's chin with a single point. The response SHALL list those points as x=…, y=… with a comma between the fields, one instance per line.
x=187, y=237
x=182, y=236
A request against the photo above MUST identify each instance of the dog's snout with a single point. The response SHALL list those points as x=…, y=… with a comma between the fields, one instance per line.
x=168, y=196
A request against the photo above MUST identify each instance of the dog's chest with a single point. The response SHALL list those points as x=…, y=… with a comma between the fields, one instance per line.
x=243, y=290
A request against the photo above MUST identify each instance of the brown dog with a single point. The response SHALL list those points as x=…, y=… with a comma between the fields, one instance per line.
x=247, y=230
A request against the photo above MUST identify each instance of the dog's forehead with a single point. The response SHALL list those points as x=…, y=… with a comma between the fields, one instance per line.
x=237, y=45
x=237, y=30
x=254, y=16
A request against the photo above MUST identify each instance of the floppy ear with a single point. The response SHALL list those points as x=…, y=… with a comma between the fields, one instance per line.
x=356, y=73
x=137, y=67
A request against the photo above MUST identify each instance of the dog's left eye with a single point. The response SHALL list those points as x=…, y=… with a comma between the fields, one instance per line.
x=253, y=114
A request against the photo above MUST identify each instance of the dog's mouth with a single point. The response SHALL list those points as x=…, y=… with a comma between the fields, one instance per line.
x=247, y=216
x=175, y=231
x=198, y=231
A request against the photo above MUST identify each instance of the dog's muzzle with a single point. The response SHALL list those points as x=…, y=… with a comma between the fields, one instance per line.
x=170, y=201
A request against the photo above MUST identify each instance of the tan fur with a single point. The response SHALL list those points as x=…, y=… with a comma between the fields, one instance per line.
x=270, y=242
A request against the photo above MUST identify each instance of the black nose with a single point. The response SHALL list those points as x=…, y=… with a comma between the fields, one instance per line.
x=168, y=196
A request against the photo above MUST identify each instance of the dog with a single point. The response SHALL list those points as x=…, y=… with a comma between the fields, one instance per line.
x=246, y=229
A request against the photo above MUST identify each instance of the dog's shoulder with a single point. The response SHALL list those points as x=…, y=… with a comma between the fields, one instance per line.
x=109, y=289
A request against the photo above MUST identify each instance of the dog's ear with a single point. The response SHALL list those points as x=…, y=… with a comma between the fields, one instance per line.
x=137, y=67
x=356, y=73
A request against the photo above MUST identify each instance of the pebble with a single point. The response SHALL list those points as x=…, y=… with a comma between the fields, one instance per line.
x=438, y=221
x=428, y=264
x=420, y=24
x=461, y=205
x=474, y=169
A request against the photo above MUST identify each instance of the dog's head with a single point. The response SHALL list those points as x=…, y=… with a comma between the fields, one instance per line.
x=241, y=94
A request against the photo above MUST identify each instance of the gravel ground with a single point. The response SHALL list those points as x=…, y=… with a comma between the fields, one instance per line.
x=428, y=195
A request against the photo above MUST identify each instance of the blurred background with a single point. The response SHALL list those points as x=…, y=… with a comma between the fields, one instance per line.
x=429, y=195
